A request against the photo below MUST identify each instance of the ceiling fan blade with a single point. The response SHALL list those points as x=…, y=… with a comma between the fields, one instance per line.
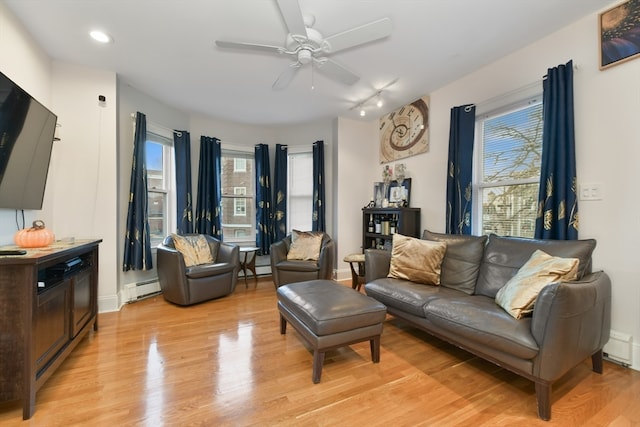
x=287, y=75
x=292, y=15
x=359, y=35
x=336, y=71
x=249, y=46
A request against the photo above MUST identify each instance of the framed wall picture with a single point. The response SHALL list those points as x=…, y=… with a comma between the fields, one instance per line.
x=405, y=131
x=398, y=193
x=619, y=31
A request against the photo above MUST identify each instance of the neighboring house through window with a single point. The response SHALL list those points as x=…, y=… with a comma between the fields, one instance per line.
x=238, y=196
x=508, y=151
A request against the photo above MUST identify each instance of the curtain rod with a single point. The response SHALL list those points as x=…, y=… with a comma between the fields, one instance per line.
x=177, y=132
x=526, y=90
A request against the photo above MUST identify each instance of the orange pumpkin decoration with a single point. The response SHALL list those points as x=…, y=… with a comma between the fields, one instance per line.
x=35, y=237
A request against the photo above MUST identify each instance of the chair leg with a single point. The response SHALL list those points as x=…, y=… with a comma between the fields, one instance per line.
x=375, y=349
x=596, y=361
x=318, y=361
x=283, y=325
x=543, y=396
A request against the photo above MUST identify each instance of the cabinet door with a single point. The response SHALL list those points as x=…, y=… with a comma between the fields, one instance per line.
x=51, y=323
x=81, y=299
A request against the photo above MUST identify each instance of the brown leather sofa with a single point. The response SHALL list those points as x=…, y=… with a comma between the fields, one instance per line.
x=570, y=322
x=190, y=285
x=284, y=271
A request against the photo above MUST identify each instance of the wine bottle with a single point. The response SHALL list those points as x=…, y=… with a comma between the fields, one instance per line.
x=370, y=227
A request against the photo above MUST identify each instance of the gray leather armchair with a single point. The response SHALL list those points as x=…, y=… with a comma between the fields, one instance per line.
x=284, y=271
x=190, y=285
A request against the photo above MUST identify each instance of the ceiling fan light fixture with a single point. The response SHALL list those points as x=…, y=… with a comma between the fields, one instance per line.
x=304, y=56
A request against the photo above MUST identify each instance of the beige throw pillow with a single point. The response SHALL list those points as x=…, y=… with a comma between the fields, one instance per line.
x=305, y=245
x=194, y=249
x=416, y=260
x=517, y=297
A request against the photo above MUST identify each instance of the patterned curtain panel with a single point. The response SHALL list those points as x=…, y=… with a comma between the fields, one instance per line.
x=137, y=242
x=557, y=201
x=209, y=193
x=280, y=193
x=460, y=167
x=184, y=204
x=319, y=219
x=264, y=229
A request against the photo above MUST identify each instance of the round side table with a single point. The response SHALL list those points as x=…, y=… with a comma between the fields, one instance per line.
x=248, y=262
x=356, y=263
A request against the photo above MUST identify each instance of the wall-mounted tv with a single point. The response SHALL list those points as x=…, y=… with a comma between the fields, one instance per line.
x=26, y=138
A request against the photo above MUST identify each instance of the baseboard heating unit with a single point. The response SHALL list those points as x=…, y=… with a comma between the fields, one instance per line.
x=137, y=291
x=619, y=348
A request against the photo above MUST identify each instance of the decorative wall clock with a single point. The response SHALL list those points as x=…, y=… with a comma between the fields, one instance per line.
x=405, y=131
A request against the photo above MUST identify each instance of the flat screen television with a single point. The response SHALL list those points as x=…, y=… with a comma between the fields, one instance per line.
x=27, y=130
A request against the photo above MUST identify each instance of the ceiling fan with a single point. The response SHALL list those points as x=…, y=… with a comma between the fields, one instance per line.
x=307, y=45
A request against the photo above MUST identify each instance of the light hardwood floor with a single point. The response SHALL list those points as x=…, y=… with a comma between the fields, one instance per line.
x=224, y=362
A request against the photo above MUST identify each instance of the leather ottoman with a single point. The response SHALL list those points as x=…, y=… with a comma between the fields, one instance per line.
x=328, y=315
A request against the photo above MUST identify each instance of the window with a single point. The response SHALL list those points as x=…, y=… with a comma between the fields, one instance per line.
x=239, y=164
x=238, y=196
x=300, y=191
x=240, y=204
x=160, y=179
x=507, y=170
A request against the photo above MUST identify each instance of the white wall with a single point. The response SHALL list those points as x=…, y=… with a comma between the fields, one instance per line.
x=25, y=63
x=607, y=104
x=81, y=196
x=356, y=171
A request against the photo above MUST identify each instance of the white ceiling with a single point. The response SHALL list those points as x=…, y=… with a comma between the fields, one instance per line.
x=165, y=48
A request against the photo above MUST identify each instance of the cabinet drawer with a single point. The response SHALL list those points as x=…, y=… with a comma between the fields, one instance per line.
x=81, y=300
x=51, y=328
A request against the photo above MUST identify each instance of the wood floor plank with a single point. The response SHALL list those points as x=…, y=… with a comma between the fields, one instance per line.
x=225, y=363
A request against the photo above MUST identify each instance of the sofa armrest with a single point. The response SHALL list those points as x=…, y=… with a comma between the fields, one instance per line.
x=171, y=272
x=376, y=264
x=571, y=322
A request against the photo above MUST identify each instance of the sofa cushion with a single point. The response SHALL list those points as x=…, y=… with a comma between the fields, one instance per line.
x=478, y=319
x=416, y=260
x=503, y=257
x=519, y=294
x=305, y=245
x=461, y=262
x=195, y=249
x=406, y=296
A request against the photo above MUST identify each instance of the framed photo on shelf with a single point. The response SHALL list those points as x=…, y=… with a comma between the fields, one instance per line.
x=378, y=193
x=398, y=193
x=619, y=29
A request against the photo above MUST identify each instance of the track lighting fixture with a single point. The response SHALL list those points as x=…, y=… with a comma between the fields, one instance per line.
x=378, y=97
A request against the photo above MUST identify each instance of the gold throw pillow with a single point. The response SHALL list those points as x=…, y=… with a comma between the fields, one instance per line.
x=194, y=249
x=416, y=260
x=305, y=245
x=518, y=296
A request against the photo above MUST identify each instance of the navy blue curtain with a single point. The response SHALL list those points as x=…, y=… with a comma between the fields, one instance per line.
x=319, y=220
x=184, y=204
x=264, y=229
x=280, y=193
x=209, y=194
x=459, y=169
x=137, y=241
x=557, y=200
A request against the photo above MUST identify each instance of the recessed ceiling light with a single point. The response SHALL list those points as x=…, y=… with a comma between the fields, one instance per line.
x=100, y=36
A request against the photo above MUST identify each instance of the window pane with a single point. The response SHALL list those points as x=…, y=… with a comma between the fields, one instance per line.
x=155, y=165
x=238, y=196
x=300, y=191
x=157, y=216
x=510, y=210
x=513, y=145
